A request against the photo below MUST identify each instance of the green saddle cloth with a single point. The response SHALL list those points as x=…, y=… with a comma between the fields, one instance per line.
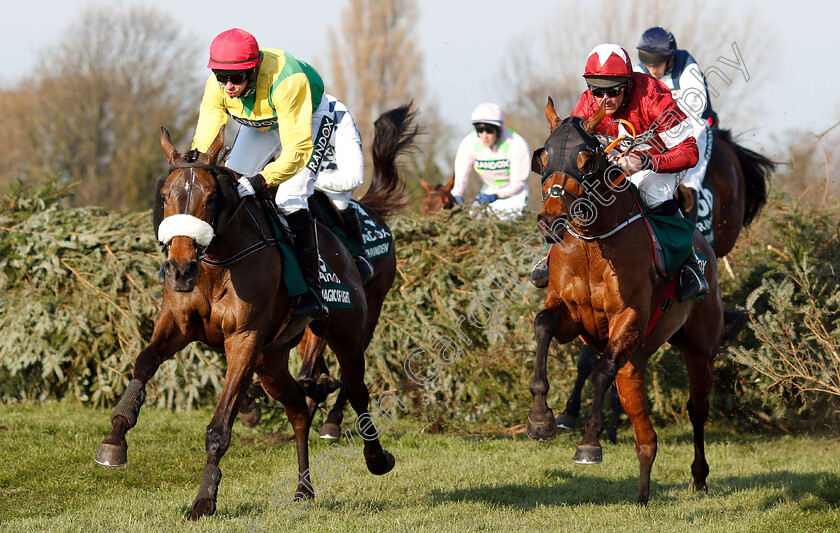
x=675, y=235
x=378, y=240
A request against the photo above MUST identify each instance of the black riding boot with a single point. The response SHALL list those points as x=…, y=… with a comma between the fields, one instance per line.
x=354, y=230
x=692, y=282
x=539, y=274
x=311, y=303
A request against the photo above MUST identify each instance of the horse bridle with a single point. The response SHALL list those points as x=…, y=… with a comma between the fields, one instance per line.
x=568, y=198
x=202, y=250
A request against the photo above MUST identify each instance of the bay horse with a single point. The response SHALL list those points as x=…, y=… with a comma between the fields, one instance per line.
x=436, y=198
x=394, y=133
x=738, y=179
x=224, y=287
x=604, y=287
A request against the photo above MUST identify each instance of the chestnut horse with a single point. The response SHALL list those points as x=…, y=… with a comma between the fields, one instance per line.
x=436, y=198
x=224, y=287
x=394, y=134
x=737, y=178
x=604, y=287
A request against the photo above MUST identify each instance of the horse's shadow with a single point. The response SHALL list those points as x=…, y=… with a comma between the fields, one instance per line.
x=820, y=489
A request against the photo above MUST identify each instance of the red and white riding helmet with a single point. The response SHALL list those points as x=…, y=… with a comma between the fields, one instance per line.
x=234, y=49
x=607, y=65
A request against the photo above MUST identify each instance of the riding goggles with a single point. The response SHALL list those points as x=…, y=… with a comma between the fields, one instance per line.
x=609, y=92
x=236, y=78
x=489, y=128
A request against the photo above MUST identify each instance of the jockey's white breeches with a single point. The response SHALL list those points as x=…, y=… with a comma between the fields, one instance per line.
x=655, y=188
x=509, y=208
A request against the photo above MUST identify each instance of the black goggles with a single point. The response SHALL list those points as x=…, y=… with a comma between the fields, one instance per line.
x=236, y=78
x=489, y=128
x=609, y=92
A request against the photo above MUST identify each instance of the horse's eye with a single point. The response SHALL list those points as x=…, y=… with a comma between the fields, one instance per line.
x=211, y=198
x=163, y=198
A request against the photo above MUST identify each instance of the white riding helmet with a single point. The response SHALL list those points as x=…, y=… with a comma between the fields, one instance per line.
x=488, y=113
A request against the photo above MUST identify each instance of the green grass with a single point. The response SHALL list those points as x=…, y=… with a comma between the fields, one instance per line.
x=442, y=482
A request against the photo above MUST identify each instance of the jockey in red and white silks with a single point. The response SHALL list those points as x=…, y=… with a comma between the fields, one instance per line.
x=501, y=157
x=646, y=104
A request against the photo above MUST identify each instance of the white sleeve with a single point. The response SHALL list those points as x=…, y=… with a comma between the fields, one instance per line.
x=692, y=97
x=349, y=159
x=464, y=160
x=519, y=156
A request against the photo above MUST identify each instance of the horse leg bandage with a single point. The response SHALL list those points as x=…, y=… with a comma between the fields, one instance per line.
x=131, y=401
x=210, y=479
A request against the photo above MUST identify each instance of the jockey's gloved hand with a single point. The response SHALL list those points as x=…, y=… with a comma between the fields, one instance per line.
x=250, y=185
x=459, y=199
x=484, y=198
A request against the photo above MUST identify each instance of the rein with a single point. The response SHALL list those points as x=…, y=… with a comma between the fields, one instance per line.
x=265, y=241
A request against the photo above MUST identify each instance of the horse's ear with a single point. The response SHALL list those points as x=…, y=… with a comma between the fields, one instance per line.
x=585, y=161
x=591, y=124
x=172, y=154
x=425, y=185
x=551, y=115
x=539, y=160
x=216, y=146
x=449, y=184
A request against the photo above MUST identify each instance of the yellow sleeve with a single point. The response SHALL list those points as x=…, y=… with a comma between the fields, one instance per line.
x=211, y=116
x=292, y=101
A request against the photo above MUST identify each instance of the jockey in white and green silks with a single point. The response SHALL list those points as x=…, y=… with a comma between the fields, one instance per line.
x=501, y=157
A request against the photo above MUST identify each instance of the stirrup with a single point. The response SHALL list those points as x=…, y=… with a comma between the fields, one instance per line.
x=310, y=304
x=539, y=275
x=692, y=282
x=365, y=268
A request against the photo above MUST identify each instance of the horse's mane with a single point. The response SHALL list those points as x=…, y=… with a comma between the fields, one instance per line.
x=394, y=132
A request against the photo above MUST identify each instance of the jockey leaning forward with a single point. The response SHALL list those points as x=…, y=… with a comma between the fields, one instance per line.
x=501, y=157
x=645, y=103
x=660, y=57
x=279, y=102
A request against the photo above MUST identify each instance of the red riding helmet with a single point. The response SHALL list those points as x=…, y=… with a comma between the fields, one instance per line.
x=234, y=49
x=607, y=63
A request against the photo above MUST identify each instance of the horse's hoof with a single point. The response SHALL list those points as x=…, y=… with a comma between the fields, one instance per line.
x=330, y=431
x=111, y=454
x=381, y=464
x=203, y=507
x=540, y=432
x=565, y=421
x=587, y=454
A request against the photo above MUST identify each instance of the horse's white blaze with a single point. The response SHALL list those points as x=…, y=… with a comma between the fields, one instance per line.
x=185, y=226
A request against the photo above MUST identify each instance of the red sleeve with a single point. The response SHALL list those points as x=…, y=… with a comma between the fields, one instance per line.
x=674, y=130
x=681, y=157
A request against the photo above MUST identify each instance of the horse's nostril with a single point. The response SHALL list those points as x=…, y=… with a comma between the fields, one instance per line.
x=191, y=270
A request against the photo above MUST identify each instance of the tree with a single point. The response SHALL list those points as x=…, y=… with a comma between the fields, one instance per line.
x=92, y=112
x=375, y=65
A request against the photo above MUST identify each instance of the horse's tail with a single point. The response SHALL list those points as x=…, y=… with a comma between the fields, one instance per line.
x=394, y=133
x=756, y=169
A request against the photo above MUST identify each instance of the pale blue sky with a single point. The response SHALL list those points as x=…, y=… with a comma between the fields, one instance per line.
x=465, y=41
